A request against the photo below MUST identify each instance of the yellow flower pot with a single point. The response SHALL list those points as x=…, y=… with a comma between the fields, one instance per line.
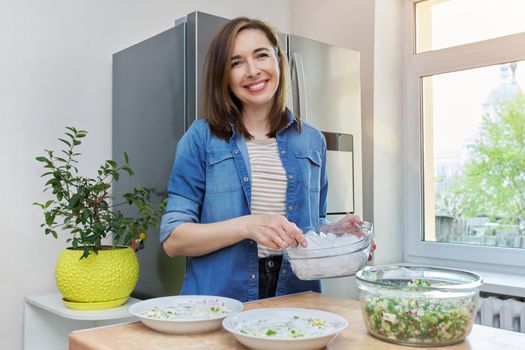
x=100, y=281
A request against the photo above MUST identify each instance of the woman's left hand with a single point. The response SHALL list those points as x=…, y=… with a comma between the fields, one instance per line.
x=350, y=224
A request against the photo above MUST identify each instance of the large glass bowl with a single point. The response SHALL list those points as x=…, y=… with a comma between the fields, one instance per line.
x=340, y=257
x=418, y=305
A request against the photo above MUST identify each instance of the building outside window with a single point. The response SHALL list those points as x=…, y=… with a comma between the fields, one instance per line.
x=465, y=133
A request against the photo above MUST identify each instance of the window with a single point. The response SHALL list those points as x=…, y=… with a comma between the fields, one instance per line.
x=465, y=134
x=446, y=23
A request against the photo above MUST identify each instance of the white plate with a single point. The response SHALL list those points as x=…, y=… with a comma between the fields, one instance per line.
x=188, y=323
x=240, y=326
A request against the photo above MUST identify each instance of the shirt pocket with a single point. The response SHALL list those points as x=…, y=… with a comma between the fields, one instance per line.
x=221, y=172
x=310, y=164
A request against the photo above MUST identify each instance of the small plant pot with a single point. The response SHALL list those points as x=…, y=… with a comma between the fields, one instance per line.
x=100, y=281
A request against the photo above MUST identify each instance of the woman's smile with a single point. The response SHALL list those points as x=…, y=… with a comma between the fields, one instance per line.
x=257, y=86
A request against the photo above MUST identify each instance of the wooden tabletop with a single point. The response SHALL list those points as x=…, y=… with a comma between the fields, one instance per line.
x=137, y=336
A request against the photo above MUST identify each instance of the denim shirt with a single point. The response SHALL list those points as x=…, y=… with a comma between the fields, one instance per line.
x=211, y=182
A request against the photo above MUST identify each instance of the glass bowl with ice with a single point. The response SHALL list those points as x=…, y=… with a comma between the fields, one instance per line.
x=330, y=255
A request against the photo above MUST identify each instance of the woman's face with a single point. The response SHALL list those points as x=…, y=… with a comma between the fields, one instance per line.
x=254, y=75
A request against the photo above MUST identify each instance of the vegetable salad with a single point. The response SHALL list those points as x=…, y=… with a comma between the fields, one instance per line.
x=419, y=320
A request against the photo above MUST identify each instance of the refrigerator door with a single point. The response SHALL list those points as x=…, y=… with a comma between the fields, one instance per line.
x=329, y=82
x=156, y=96
x=201, y=28
x=148, y=110
x=326, y=93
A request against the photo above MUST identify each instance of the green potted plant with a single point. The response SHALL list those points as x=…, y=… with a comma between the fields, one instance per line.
x=89, y=274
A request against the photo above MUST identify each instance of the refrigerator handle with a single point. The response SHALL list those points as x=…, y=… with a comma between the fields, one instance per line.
x=301, y=85
x=293, y=82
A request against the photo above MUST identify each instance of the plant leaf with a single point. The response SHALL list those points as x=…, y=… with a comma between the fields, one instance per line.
x=74, y=200
x=128, y=170
x=66, y=142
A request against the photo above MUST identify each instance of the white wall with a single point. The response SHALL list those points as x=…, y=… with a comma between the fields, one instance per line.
x=388, y=114
x=55, y=70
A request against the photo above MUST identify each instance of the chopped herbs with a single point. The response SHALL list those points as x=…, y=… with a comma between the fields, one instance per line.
x=270, y=332
x=419, y=283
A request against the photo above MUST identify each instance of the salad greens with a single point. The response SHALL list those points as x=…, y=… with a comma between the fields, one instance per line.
x=419, y=320
x=419, y=283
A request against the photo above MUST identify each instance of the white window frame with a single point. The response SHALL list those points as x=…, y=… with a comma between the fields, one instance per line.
x=479, y=54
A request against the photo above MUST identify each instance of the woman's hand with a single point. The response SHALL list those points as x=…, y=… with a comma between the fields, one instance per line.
x=273, y=231
x=349, y=224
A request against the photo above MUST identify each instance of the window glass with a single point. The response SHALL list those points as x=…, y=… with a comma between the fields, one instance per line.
x=474, y=156
x=446, y=23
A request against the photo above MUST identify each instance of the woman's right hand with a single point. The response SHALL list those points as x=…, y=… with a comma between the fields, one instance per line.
x=273, y=231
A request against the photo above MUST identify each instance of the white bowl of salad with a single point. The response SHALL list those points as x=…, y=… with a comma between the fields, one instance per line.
x=418, y=305
x=284, y=328
x=185, y=314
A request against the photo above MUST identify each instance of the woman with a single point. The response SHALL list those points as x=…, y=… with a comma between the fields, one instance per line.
x=249, y=178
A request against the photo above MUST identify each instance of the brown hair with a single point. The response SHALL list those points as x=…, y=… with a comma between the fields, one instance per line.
x=219, y=105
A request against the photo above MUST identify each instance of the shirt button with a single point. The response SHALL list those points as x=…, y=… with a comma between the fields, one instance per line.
x=253, y=276
x=245, y=179
x=283, y=152
x=290, y=177
x=283, y=271
x=235, y=151
x=290, y=208
x=252, y=242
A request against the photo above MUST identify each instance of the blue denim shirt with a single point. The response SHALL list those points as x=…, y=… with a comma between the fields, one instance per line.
x=211, y=182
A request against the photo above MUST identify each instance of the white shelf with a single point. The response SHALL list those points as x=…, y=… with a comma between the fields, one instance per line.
x=53, y=303
x=48, y=322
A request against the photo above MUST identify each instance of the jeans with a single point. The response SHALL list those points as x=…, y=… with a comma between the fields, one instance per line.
x=268, y=274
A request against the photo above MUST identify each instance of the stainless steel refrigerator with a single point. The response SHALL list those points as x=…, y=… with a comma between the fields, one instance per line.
x=156, y=96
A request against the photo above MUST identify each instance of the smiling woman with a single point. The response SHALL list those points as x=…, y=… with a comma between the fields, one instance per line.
x=240, y=189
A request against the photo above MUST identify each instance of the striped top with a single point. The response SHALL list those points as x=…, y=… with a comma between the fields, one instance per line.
x=268, y=183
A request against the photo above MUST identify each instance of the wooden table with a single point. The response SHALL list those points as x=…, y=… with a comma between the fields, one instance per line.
x=136, y=336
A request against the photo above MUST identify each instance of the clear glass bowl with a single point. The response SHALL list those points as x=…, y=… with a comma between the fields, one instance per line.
x=339, y=257
x=418, y=305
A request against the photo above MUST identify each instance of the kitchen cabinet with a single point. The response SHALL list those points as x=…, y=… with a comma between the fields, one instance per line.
x=137, y=336
x=48, y=322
